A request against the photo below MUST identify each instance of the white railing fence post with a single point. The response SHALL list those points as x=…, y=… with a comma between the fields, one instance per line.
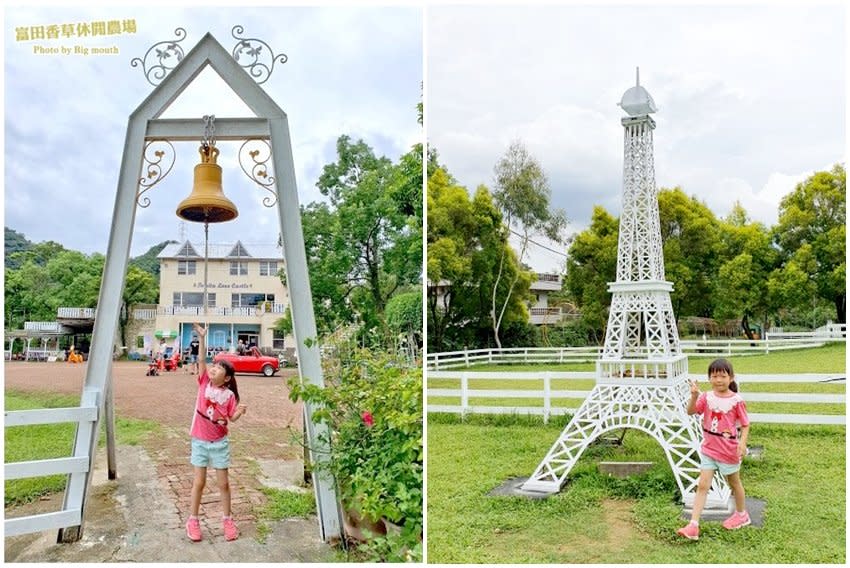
x=464, y=394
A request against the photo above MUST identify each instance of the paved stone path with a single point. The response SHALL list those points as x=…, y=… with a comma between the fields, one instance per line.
x=269, y=433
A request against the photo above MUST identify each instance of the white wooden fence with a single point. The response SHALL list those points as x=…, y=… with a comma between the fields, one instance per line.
x=548, y=395
x=77, y=466
x=832, y=331
x=559, y=355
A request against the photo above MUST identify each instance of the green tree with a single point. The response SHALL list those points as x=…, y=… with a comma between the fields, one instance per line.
x=591, y=264
x=522, y=194
x=365, y=244
x=741, y=287
x=284, y=324
x=467, y=241
x=790, y=290
x=149, y=261
x=404, y=317
x=14, y=242
x=692, y=247
x=140, y=287
x=51, y=277
x=815, y=214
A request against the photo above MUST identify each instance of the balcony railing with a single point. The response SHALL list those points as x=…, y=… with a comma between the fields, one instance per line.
x=51, y=326
x=151, y=313
x=76, y=313
x=251, y=311
x=549, y=282
x=543, y=277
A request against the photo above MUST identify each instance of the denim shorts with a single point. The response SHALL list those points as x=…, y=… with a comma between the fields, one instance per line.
x=211, y=454
x=707, y=462
x=193, y=358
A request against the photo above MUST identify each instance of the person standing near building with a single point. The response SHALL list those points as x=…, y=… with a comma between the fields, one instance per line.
x=194, y=347
x=216, y=407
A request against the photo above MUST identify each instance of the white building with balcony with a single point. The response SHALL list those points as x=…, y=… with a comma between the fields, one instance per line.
x=245, y=296
x=539, y=311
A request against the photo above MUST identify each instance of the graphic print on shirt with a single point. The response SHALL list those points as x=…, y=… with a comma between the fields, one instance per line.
x=719, y=406
x=215, y=401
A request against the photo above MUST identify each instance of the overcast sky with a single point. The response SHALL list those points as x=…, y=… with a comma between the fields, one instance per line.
x=751, y=99
x=351, y=70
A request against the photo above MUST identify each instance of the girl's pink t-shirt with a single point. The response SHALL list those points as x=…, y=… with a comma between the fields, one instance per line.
x=213, y=409
x=721, y=416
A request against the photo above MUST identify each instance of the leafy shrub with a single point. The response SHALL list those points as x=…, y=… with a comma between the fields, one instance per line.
x=372, y=406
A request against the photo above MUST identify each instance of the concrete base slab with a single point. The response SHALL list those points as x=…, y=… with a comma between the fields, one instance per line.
x=755, y=507
x=624, y=469
x=513, y=488
x=282, y=474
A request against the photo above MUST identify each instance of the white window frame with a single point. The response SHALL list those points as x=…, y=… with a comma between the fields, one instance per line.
x=268, y=268
x=186, y=267
x=238, y=268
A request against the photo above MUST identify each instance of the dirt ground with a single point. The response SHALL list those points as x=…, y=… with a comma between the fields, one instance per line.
x=267, y=437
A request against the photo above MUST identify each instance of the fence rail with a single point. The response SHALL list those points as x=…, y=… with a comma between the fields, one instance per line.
x=85, y=416
x=560, y=355
x=829, y=331
x=547, y=395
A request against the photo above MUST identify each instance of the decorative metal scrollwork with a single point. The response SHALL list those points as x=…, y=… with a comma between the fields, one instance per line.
x=159, y=158
x=249, y=51
x=254, y=155
x=164, y=56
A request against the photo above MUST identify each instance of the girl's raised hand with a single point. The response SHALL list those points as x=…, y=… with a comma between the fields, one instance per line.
x=694, y=388
x=201, y=331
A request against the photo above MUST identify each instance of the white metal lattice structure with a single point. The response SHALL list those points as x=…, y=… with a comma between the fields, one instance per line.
x=642, y=376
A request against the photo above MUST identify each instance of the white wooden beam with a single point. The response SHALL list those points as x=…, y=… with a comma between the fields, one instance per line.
x=191, y=129
x=50, y=416
x=39, y=468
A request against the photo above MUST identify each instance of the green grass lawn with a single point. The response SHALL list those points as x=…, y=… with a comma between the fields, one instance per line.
x=601, y=519
x=45, y=441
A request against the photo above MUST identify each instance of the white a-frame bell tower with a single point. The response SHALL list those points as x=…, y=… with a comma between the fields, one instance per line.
x=642, y=377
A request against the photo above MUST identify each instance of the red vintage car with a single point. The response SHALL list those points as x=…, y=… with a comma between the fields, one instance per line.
x=251, y=362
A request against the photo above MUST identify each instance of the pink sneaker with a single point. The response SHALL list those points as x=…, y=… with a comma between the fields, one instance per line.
x=737, y=520
x=689, y=531
x=193, y=529
x=230, y=530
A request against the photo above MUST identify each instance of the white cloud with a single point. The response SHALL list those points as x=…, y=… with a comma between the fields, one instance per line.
x=745, y=112
x=351, y=70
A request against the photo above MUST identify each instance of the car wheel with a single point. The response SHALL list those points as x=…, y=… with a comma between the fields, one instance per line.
x=268, y=370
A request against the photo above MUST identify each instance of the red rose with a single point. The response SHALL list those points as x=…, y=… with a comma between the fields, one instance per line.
x=368, y=420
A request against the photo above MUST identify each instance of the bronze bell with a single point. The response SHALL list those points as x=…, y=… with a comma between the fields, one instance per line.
x=207, y=202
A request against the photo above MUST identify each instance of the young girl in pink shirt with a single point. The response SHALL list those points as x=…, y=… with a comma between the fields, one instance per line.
x=216, y=404
x=723, y=446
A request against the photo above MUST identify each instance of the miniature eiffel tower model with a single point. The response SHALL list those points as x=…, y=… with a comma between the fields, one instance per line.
x=642, y=376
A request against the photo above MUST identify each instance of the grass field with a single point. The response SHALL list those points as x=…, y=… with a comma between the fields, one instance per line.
x=45, y=441
x=601, y=519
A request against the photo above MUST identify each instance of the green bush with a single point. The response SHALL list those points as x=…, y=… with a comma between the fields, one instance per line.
x=372, y=406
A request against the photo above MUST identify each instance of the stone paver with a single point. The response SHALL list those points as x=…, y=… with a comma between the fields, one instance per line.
x=269, y=433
